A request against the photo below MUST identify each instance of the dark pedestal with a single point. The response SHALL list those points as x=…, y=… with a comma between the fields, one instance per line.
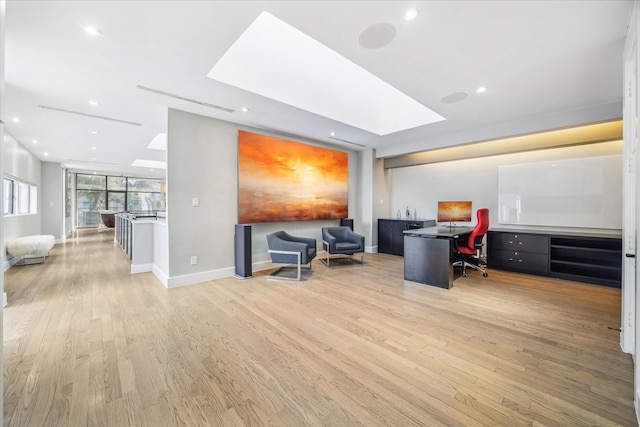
x=242, y=244
x=427, y=260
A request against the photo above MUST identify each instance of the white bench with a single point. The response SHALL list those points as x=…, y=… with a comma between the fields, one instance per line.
x=30, y=249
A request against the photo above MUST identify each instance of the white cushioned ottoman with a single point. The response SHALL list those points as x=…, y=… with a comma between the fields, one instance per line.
x=31, y=249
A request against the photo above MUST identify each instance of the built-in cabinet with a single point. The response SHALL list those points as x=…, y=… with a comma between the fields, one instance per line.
x=579, y=257
x=135, y=237
x=391, y=236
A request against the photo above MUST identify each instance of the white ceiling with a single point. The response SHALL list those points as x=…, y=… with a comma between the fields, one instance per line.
x=537, y=58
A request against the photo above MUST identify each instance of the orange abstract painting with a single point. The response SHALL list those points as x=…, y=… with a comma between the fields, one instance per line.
x=281, y=180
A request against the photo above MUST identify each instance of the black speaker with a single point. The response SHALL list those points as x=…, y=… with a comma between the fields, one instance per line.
x=347, y=222
x=242, y=243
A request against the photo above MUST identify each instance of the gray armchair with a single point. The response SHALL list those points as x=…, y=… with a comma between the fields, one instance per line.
x=287, y=249
x=341, y=241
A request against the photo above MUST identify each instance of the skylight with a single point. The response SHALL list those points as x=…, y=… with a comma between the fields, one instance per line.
x=159, y=142
x=275, y=60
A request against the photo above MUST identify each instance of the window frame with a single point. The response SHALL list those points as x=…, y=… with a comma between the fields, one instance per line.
x=20, y=197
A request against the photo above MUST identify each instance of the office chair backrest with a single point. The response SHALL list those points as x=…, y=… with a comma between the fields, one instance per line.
x=475, y=238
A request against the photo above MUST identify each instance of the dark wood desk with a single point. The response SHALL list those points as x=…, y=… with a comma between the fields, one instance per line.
x=427, y=255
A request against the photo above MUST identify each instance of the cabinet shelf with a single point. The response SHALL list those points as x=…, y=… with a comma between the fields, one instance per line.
x=578, y=263
x=583, y=249
x=591, y=259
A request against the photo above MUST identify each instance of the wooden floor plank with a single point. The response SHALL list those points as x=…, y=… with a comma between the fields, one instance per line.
x=87, y=343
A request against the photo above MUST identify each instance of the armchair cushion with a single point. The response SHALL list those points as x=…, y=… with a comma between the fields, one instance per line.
x=341, y=240
x=282, y=241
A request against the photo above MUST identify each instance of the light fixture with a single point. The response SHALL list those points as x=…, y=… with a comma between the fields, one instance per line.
x=333, y=134
x=93, y=158
x=244, y=109
x=481, y=89
x=93, y=148
x=93, y=103
x=35, y=141
x=45, y=154
x=92, y=31
x=16, y=119
x=410, y=14
x=94, y=132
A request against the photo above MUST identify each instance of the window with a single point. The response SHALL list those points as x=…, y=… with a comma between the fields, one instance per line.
x=20, y=198
x=115, y=193
x=144, y=194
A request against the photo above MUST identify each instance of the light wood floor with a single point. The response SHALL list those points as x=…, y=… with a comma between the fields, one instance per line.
x=86, y=343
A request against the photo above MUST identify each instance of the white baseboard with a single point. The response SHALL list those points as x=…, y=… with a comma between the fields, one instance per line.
x=164, y=279
x=141, y=268
x=190, y=279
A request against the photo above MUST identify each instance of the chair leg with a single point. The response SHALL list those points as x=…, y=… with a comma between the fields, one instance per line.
x=464, y=264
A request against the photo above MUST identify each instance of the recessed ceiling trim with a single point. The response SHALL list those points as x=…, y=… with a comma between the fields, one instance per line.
x=182, y=98
x=93, y=116
x=579, y=135
x=345, y=141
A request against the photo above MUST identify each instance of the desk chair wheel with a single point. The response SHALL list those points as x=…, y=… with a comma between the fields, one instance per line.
x=485, y=274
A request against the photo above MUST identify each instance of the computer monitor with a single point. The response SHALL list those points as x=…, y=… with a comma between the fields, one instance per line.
x=455, y=211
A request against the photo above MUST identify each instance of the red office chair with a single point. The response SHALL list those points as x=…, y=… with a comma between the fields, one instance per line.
x=468, y=247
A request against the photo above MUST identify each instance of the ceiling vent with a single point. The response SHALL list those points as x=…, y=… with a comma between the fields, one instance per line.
x=93, y=116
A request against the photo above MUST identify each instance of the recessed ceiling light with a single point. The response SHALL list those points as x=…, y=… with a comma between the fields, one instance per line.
x=481, y=89
x=410, y=14
x=16, y=119
x=93, y=148
x=93, y=103
x=244, y=109
x=93, y=158
x=333, y=134
x=92, y=31
x=35, y=141
x=94, y=132
x=45, y=153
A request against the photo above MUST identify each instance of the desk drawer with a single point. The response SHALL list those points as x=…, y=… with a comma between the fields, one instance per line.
x=518, y=241
x=519, y=261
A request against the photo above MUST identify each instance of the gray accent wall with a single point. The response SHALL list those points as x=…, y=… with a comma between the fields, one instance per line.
x=202, y=159
x=52, y=197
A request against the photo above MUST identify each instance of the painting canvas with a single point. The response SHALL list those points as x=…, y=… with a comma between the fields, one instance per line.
x=280, y=180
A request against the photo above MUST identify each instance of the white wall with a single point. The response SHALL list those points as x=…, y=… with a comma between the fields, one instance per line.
x=421, y=187
x=202, y=158
x=18, y=162
x=52, y=197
